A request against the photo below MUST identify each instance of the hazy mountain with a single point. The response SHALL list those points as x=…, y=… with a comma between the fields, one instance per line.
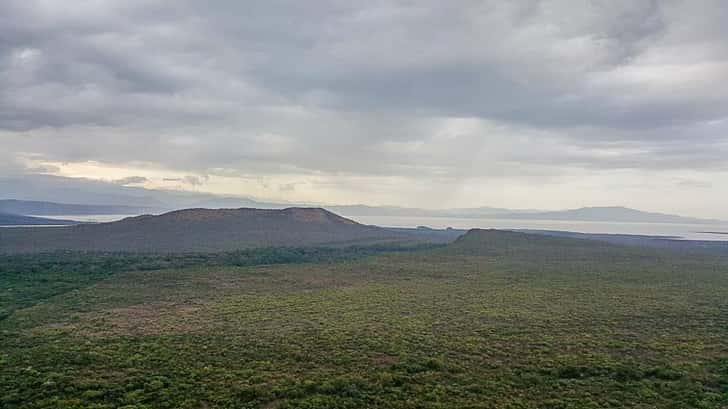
x=364, y=210
x=60, y=189
x=77, y=190
x=239, y=202
x=7, y=219
x=604, y=214
x=482, y=212
x=354, y=210
x=94, y=192
x=201, y=230
x=26, y=207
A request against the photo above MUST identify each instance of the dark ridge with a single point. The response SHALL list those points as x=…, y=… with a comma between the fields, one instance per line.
x=485, y=237
x=545, y=248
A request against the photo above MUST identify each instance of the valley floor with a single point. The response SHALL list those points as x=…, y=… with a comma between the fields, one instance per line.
x=495, y=320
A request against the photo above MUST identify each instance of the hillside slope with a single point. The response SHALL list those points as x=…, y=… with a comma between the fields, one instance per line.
x=491, y=242
x=201, y=230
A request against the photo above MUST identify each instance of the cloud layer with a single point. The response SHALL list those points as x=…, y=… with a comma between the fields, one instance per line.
x=384, y=101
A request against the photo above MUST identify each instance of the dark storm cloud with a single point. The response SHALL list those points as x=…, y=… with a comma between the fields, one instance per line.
x=367, y=88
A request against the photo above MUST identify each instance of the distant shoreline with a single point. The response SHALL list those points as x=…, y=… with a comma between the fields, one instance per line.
x=713, y=232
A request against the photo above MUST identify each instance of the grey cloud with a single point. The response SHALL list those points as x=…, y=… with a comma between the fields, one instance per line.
x=694, y=184
x=288, y=187
x=43, y=169
x=494, y=60
x=189, y=180
x=131, y=180
x=194, y=180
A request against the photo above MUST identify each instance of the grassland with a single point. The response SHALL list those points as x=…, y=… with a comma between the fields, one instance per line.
x=495, y=320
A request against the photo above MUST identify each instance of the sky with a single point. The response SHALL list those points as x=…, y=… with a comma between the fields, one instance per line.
x=434, y=104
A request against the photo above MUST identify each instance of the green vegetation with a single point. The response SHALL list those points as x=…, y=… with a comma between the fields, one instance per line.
x=28, y=279
x=495, y=320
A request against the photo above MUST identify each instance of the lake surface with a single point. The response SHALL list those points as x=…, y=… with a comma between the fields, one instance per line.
x=88, y=218
x=91, y=218
x=683, y=231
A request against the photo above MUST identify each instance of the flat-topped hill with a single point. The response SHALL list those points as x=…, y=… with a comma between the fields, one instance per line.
x=243, y=217
x=201, y=230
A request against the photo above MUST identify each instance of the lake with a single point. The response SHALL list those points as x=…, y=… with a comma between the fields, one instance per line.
x=90, y=218
x=684, y=231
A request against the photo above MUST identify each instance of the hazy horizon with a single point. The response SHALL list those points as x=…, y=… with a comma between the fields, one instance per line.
x=99, y=192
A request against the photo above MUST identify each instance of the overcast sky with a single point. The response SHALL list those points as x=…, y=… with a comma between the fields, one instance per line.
x=522, y=104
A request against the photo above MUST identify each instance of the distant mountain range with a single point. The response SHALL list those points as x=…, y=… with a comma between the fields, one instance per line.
x=476, y=212
x=597, y=214
x=606, y=214
x=202, y=230
x=39, y=208
x=7, y=219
